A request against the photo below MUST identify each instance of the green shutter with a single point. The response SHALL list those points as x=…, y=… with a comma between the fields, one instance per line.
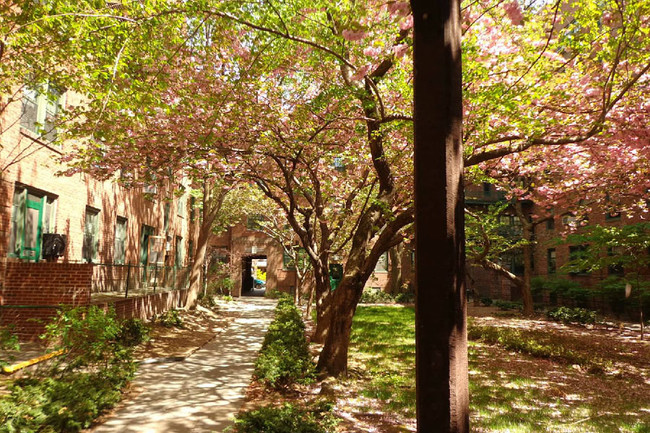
x=19, y=212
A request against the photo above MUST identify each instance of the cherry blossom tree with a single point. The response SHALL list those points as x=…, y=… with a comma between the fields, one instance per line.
x=313, y=101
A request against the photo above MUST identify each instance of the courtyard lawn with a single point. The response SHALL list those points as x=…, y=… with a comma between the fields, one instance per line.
x=525, y=375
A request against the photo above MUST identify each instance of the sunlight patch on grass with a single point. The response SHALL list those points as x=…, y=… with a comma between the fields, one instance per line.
x=543, y=388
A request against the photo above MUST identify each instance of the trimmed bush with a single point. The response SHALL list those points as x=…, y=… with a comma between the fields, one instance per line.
x=284, y=357
x=572, y=315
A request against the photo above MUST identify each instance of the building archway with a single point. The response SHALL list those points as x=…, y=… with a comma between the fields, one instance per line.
x=251, y=267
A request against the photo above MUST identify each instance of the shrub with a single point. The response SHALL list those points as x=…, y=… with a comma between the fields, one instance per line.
x=170, y=319
x=82, y=383
x=89, y=338
x=486, y=302
x=572, y=315
x=507, y=305
x=375, y=296
x=133, y=332
x=405, y=298
x=567, y=289
x=274, y=294
x=8, y=341
x=284, y=357
x=285, y=419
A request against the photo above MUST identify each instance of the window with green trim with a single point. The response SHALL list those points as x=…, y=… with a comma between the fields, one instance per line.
x=41, y=106
x=119, y=249
x=32, y=216
x=90, y=247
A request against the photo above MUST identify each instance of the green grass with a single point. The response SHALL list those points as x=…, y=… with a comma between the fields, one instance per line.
x=558, y=395
x=383, y=340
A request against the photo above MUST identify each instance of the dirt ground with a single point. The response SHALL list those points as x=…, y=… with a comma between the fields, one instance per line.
x=199, y=327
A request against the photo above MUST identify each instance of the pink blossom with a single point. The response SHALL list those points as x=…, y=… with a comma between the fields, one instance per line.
x=513, y=10
x=353, y=36
x=400, y=50
x=372, y=51
x=361, y=72
x=399, y=8
x=406, y=23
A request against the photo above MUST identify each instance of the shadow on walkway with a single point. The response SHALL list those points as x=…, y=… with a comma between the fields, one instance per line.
x=203, y=392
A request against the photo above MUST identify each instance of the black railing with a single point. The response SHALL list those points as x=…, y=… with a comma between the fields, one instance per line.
x=131, y=280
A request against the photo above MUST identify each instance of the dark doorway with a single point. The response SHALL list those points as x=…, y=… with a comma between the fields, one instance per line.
x=253, y=281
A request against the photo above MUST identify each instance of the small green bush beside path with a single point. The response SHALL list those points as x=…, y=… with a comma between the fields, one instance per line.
x=82, y=383
x=284, y=358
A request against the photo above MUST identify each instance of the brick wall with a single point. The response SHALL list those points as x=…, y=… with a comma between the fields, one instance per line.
x=145, y=307
x=28, y=161
x=32, y=292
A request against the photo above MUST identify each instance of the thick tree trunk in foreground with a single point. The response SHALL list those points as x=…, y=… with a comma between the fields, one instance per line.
x=442, y=394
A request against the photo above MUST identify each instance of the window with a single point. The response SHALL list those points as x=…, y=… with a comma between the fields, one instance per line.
x=615, y=268
x=382, y=263
x=145, y=233
x=190, y=250
x=287, y=262
x=576, y=254
x=550, y=223
x=569, y=220
x=192, y=209
x=91, y=235
x=339, y=164
x=167, y=210
x=182, y=206
x=32, y=215
x=41, y=106
x=119, y=249
x=551, y=261
x=179, y=252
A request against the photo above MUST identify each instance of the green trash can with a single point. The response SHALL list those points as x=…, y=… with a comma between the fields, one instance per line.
x=336, y=275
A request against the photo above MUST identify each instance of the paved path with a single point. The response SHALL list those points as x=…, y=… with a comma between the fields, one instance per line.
x=203, y=392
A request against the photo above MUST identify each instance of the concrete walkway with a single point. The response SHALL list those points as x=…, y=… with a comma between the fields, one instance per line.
x=203, y=392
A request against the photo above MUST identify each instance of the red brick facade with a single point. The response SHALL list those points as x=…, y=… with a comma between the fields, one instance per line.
x=34, y=288
x=32, y=292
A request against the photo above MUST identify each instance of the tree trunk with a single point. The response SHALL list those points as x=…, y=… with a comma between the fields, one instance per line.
x=310, y=302
x=197, y=263
x=527, y=233
x=211, y=208
x=333, y=359
x=323, y=310
x=395, y=277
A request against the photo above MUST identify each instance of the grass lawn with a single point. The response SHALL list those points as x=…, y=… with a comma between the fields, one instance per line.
x=525, y=375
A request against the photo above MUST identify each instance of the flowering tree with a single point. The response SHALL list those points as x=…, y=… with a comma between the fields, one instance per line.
x=313, y=101
x=570, y=131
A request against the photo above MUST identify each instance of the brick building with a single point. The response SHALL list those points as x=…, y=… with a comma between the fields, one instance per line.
x=100, y=222
x=549, y=255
